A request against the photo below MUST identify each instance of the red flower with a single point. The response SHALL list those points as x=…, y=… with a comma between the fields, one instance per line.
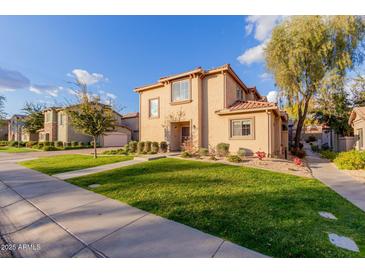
x=297, y=161
x=261, y=154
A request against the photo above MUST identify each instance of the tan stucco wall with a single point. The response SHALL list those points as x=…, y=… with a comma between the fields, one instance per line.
x=67, y=134
x=359, y=123
x=158, y=129
x=133, y=124
x=209, y=95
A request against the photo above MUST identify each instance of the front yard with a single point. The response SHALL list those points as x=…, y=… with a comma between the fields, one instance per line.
x=16, y=149
x=273, y=213
x=63, y=163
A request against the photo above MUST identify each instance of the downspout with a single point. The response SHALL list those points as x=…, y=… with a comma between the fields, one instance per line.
x=269, y=135
x=139, y=118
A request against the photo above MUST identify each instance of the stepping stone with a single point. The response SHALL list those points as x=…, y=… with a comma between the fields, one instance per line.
x=343, y=242
x=94, y=185
x=327, y=215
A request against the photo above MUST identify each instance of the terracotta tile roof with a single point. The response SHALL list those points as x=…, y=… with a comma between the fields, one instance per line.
x=240, y=105
x=130, y=115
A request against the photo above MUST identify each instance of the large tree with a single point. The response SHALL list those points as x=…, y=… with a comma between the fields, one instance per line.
x=34, y=119
x=357, y=90
x=305, y=51
x=90, y=117
x=2, y=106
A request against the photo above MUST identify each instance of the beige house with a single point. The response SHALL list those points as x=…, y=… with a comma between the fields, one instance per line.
x=4, y=128
x=210, y=107
x=58, y=127
x=16, y=132
x=357, y=121
x=131, y=120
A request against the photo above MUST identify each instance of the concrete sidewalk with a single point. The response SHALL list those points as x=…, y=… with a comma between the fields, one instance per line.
x=342, y=183
x=97, y=169
x=47, y=217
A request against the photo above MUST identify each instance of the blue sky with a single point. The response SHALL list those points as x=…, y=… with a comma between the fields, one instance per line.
x=40, y=55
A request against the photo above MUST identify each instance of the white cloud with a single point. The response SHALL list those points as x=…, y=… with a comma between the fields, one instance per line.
x=111, y=95
x=252, y=55
x=262, y=25
x=45, y=89
x=87, y=78
x=11, y=80
x=265, y=76
x=273, y=96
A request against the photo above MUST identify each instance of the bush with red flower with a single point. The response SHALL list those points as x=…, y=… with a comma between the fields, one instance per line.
x=297, y=161
x=261, y=155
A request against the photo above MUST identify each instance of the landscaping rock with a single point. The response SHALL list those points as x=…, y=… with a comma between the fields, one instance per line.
x=343, y=242
x=327, y=215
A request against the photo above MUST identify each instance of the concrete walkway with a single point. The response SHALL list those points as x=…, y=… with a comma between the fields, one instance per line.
x=92, y=170
x=342, y=183
x=47, y=217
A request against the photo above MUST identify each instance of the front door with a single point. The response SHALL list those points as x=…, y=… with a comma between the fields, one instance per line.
x=185, y=134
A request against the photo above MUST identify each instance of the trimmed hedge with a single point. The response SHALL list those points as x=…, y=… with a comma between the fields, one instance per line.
x=223, y=149
x=163, y=147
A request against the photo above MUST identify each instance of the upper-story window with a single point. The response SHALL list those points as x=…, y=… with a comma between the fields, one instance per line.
x=180, y=91
x=60, y=119
x=239, y=94
x=154, y=108
x=48, y=117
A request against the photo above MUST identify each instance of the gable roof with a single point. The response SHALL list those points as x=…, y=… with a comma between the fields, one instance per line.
x=130, y=115
x=357, y=111
x=202, y=73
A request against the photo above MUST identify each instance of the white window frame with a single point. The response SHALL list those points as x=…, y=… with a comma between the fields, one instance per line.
x=243, y=121
x=181, y=98
x=150, y=109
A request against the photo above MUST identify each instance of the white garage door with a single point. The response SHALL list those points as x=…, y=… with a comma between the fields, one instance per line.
x=115, y=139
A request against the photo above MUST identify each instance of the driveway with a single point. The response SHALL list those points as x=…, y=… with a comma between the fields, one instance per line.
x=46, y=217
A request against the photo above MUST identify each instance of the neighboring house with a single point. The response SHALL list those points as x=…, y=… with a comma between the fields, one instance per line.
x=4, y=128
x=16, y=132
x=357, y=121
x=209, y=107
x=58, y=127
x=131, y=120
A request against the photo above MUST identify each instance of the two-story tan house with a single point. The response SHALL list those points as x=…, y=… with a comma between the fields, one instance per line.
x=357, y=121
x=210, y=107
x=16, y=131
x=58, y=127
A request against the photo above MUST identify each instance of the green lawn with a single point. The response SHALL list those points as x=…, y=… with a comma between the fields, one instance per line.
x=273, y=213
x=63, y=163
x=16, y=150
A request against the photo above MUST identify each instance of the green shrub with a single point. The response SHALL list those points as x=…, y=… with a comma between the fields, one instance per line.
x=40, y=144
x=154, y=147
x=115, y=152
x=31, y=143
x=81, y=144
x=315, y=148
x=298, y=152
x=222, y=149
x=126, y=148
x=59, y=144
x=140, y=147
x=49, y=148
x=241, y=153
x=133, y=146
x=186, y=154
x=328, y=154
x=147, y=147
x=163, y=146
x=350, y=160
x=234, y=158
x=13, y=143
x=3, y=143
x=74, y=144
x=203, y=151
